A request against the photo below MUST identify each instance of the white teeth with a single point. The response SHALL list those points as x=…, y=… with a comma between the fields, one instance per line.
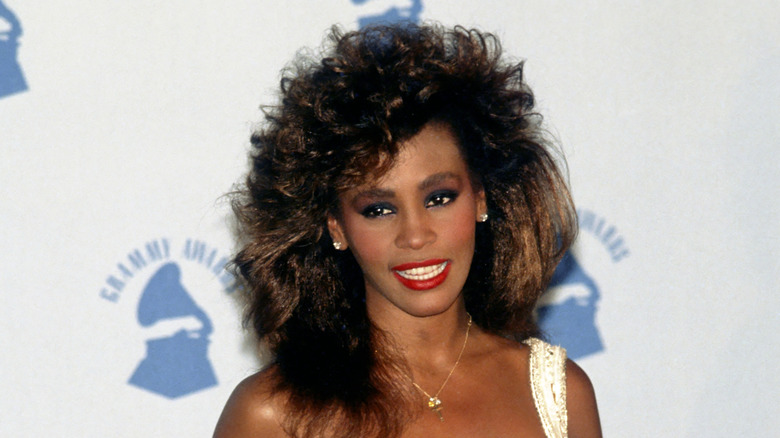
x=424, y=273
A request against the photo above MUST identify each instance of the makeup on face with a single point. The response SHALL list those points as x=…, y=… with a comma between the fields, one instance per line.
x=444, y=188
x=412, y=229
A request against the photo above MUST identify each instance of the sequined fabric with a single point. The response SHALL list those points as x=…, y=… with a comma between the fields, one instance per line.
x=548, y=385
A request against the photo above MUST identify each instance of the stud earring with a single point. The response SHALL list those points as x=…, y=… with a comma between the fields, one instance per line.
x=337, y=245
x=483, y=217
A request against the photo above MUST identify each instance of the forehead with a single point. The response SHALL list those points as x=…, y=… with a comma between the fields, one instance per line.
x=432, y=151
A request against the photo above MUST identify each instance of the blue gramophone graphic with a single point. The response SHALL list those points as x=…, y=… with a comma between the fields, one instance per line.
x=397, y=11
x=11, y=77
x=177, y=365
x=572, y=322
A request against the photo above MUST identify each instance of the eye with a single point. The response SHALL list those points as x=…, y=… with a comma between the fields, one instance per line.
x=377, y=210
x=438, y=199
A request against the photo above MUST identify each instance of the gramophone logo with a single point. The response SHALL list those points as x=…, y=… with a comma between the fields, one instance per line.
x=11, y=78
x=387, y=11
x=176, y=361
x=567, y=312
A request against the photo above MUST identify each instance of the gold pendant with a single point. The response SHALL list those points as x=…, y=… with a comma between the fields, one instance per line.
x=435, y=405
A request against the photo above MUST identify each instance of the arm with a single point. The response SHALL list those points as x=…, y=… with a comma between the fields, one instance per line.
x=581, y=404
x=253, y=410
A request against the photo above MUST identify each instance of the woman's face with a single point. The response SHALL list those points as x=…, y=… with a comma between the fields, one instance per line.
x=412, y=231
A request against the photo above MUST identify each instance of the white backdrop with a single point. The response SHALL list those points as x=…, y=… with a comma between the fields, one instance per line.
x=133, y=120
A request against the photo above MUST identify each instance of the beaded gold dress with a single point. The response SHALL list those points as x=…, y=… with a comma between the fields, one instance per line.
x=548, y=386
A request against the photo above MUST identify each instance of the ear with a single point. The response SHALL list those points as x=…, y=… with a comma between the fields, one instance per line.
x=336, y=232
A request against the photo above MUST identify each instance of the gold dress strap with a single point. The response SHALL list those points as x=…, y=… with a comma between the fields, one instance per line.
x=548, y=386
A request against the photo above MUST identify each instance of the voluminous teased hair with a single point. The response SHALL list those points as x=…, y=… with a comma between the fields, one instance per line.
x=340, y=122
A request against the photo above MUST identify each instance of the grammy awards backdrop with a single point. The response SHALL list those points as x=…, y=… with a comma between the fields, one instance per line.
x=124, y=124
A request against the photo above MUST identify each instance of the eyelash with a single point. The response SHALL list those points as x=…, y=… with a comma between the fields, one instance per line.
x=437, y=199
x=442, y=198
x=377, y=210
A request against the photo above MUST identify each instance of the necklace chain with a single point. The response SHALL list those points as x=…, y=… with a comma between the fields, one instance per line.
x=434, y=403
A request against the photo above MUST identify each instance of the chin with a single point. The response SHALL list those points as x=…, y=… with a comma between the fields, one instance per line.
x=433, y=306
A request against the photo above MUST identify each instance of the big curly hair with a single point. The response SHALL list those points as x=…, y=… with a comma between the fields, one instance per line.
x=340, y=122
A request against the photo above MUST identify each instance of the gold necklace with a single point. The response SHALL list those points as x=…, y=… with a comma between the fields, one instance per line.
x=434, y=402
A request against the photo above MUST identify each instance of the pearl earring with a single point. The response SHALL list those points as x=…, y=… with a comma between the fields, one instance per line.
x=337, y=245
x=483, y=217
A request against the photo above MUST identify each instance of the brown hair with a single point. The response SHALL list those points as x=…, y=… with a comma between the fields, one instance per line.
x=340, y=122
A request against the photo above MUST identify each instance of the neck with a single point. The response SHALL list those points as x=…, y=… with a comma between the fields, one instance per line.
x=430, y=344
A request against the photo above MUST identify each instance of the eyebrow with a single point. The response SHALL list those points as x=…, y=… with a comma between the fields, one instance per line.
x=437, y=178
x=427, y=183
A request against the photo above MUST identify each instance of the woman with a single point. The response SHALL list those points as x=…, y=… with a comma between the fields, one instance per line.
x=403, y=214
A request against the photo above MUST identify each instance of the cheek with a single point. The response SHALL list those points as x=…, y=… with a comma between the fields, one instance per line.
x=366, y=243
x=460, y=229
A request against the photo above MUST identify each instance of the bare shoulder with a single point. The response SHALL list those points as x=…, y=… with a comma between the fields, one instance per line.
x=253, y=409
x=581, y=403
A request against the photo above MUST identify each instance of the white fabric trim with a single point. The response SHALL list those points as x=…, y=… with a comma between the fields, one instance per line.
x=548, y=385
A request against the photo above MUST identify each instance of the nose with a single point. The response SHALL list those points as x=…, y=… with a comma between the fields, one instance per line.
x=415, y=231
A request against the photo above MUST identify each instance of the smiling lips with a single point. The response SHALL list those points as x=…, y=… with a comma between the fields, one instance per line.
x=422, y=275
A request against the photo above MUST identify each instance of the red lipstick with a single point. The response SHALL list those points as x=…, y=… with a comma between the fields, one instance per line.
x=415, y=275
